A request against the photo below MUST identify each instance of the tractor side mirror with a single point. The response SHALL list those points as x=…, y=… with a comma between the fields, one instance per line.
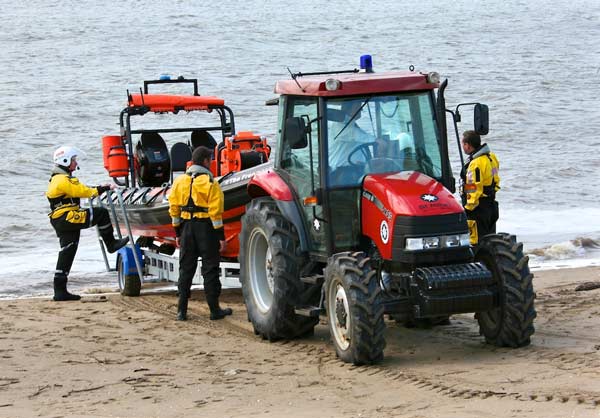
x=295, y=133
x=481, y=119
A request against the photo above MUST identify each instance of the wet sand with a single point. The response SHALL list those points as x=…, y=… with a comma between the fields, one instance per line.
x=127, y=357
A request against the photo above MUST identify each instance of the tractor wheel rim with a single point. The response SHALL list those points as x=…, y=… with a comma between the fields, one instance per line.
x=339, y=315
x=269, y=270
x=262, y=279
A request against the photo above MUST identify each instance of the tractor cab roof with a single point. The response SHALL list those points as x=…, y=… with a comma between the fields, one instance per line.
x=356, y=83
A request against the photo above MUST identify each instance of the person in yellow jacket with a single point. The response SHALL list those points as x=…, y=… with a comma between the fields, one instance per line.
x=480, y=181
x=68, y=218
x=196, y=209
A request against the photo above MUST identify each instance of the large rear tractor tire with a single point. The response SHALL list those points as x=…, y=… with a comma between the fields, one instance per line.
x=270, y=264
x=511, y=324
x=355, y=312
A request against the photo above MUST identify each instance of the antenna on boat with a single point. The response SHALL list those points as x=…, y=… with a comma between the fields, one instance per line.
x=142, y=96
x=294, y=76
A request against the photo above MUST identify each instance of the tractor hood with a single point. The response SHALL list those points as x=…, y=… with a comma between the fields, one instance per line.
x=409, y=193
x=407, y=204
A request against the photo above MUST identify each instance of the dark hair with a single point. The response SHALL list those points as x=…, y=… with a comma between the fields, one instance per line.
x=472, y=138
x=200, y=154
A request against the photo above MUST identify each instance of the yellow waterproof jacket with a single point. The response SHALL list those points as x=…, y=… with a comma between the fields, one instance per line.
x=206, y=197
x=482, y=177
x=64, y=193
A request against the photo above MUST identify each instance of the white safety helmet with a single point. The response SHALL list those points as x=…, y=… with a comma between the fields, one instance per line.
x=63, y=155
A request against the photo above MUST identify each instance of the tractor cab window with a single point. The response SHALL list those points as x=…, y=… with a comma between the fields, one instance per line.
x=380, y=134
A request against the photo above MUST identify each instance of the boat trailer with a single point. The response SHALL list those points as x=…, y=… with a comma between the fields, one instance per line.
x=136, y=266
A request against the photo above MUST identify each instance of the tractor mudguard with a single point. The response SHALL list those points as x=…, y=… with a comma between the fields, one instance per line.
x=271, y=184
x=290, y=211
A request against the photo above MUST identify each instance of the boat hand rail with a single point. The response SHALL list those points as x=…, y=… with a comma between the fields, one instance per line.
x=139, y=196
x=165, y=187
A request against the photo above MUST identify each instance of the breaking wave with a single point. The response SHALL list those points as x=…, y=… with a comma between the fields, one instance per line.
x=575, y=248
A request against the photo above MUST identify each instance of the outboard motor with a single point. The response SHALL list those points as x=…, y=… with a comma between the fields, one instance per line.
x=153, y=165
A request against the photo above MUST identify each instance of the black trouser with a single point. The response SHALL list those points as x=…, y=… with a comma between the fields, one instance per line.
x=198, y=239
x=485, y=215
x=68, y=234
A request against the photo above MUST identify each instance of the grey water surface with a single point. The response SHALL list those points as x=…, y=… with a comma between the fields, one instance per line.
x=66, y=66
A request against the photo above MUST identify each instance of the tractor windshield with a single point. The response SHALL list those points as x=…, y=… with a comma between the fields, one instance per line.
x=381, y=134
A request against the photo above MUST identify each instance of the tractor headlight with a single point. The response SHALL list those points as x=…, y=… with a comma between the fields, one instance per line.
x=424, y=243
x=430, y=243
x=331, y=84
x=433, y=77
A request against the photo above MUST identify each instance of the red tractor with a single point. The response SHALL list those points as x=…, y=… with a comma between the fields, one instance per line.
x=357, y=219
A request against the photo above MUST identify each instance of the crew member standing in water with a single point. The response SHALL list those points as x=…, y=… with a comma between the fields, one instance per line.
x=480, y=180
x=68, y=219
x=196, y=209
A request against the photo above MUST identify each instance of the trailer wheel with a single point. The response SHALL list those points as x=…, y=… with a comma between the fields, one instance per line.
x=129, y=284
x=511, y=324
x=355, y=312
x=270, y=264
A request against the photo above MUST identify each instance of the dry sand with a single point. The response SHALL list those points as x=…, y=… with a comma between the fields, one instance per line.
x=128, y=357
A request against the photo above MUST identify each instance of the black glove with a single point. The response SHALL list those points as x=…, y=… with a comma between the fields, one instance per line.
x=177, y=230
x=102, y=189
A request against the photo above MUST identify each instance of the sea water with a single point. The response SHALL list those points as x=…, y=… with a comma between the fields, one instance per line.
x=66, y=67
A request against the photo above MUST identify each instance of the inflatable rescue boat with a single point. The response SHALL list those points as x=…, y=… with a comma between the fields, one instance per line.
x=144, y=163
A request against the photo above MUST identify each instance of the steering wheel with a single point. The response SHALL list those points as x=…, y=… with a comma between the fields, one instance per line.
x=366, y=152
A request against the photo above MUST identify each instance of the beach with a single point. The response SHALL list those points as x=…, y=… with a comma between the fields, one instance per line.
x=114, y=356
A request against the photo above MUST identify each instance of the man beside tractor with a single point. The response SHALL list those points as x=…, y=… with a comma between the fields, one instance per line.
x=481, y=180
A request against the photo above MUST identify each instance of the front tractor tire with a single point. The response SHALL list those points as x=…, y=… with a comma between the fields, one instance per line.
x=511, y=324
x=270, y=264
x=354, y=308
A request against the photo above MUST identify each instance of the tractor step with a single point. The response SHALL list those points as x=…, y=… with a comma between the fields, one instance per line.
x=316, y=279
x=310, y=311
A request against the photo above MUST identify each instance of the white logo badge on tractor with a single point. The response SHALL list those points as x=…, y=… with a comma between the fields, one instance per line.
x=317, y=225
x=429, y=198
x=384, y=232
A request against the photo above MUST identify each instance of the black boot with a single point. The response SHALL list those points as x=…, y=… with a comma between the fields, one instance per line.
x=182, y=308
x=60, y=290
x=113, y=244
x=216, y=312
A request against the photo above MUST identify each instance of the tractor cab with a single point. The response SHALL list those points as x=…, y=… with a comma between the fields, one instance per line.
x=342, y=128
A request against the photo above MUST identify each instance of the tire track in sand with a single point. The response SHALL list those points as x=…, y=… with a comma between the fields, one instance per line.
x=323, y=355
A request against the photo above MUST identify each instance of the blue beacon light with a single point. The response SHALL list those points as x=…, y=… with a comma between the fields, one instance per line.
x=366, y=63
x=164, y=77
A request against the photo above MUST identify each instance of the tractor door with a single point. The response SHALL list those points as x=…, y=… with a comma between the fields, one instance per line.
x=350, y=129
x=298, y=169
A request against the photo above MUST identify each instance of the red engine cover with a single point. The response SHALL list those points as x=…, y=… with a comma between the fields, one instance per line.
x=409, y=193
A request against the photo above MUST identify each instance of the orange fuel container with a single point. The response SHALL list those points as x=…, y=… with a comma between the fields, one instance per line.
x=108, y=142
x=118, y=164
